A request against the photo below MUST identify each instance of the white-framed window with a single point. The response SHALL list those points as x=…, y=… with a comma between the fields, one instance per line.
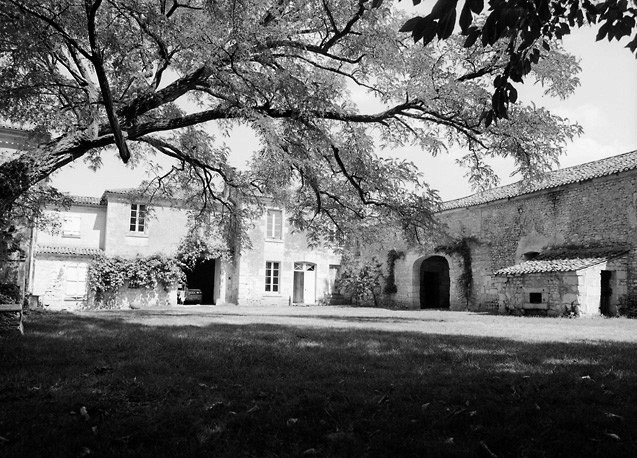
x=274, y=226
x=75, y=280
x=137, y=218
x=304, y=267
x=272, y=276
x=71, y=226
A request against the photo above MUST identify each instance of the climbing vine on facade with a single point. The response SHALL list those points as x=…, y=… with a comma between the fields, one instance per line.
x=390, y=282
x=107, y=274
x=461, y=247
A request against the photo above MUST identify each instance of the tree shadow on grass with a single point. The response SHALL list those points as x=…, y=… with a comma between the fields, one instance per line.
x=273, y=390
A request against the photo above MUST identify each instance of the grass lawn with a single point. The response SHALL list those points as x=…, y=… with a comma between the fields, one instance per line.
x=317, y=382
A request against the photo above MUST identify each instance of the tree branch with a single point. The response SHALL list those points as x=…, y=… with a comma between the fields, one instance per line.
x=102, y=78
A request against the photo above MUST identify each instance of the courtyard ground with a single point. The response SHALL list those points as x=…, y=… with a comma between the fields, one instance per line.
x=317, y=381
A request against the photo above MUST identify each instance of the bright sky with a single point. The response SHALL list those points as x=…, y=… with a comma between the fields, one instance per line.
x=605, y=105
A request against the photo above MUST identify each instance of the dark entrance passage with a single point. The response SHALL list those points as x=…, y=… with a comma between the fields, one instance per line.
x=434, y=283
x=203, y=277
x=606, y=293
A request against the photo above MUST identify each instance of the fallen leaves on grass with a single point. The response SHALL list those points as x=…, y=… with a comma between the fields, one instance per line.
x=291, y=422
x=339, y=436
x=208, y=432
x=84, y=413
x=487, y=450
x=614, y=416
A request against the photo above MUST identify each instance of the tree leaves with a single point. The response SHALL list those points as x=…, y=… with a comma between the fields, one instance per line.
x=440, y=22
x=523, y=24
x=284, y=71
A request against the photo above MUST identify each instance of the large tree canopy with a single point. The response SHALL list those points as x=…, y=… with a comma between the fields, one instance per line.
x=150, y=76
x=528, y=26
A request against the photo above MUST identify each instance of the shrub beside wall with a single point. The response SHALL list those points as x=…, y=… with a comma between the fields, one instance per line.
x=132, y=283
x=627, y=305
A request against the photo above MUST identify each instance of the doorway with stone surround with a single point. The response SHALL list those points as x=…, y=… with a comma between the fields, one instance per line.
x=434, y=283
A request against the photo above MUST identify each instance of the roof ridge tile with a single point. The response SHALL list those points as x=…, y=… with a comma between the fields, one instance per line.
x=577, y=173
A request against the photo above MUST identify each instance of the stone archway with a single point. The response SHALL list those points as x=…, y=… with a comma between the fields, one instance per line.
x=434, y=283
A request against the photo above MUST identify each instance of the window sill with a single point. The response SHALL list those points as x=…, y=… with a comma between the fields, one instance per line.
x=71, y=236
x=272, y=295
x=274, y=240
x=137, y=234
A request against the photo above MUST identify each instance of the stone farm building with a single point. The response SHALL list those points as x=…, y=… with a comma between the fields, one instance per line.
x=562, y=245
x=565, y=244
x=279, y=269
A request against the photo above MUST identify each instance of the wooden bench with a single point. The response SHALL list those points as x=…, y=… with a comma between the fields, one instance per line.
x=11, y=308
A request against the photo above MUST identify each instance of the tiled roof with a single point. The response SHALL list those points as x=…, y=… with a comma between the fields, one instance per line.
x=562, y=260
x=124, y=191
x=67, y=251
x=86, y=200
x=577, y=173
x=140, y=193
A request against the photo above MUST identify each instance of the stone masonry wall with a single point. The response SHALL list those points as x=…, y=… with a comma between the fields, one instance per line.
x=136, y=298
x=165, y=227
x=49, y=282
x=92, y=228
x=292, y=248
x=559, y=293
x=562, y=292
x=598, y=212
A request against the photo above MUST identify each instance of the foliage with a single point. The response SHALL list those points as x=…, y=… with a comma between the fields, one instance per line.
x=390, y=282
x=528, y=29
x=627, y=305
x=9, y=293
x=28, y=211
x=202, y=242
x=174, y=79
x=361, y=279
x=107, y=274
x=462, y=247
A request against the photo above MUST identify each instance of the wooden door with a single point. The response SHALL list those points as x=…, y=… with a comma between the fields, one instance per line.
x=309, y=284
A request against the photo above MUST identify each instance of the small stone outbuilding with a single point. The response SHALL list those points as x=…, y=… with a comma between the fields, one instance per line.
x=564, y=282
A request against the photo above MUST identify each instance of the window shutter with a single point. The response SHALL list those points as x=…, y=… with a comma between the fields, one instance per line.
x=269, y=229
x=278, y=224
x=71, y=226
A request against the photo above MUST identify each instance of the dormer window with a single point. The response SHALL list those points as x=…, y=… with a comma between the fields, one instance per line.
x=274, y=226
x=137, y=218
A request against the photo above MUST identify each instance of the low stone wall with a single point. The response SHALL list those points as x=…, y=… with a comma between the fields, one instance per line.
x=135, y=298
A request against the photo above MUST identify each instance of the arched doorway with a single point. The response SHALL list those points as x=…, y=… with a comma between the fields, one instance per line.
x=434, y=283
